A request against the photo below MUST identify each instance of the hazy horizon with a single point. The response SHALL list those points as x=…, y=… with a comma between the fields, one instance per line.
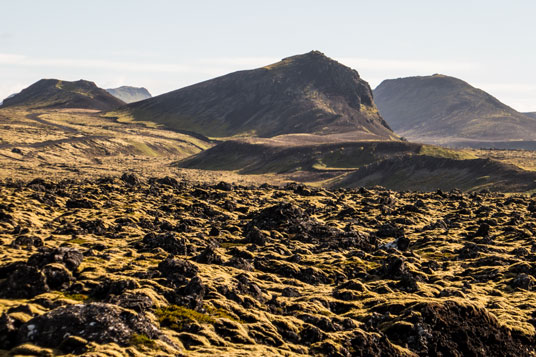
x=169, y=45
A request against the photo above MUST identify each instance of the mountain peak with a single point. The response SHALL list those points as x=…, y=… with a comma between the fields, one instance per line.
x=129, y=94
x=440, y=108
x=313, y=55
x=55, y=93
x=307, y=93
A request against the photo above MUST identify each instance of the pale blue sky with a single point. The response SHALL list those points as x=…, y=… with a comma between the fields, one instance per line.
x=165, y=45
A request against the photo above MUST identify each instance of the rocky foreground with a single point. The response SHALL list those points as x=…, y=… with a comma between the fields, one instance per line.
x=129, y=266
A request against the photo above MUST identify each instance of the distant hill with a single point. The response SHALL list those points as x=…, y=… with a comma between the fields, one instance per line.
x=54, y=93
x=427, y=173
x=307, y=93
x=442, y=109
x=130, y=94
x=532, y=114
x=10, y=96
x=396, y=165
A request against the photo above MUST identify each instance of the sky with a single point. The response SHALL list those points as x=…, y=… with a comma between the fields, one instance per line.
x=165, y=45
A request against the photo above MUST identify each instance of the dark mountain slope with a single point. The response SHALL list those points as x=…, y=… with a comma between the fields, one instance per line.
x=130, y=94
x=439, y=109
x=53, y=93
x=252, y=158
x=308, y=93
x=425, y=173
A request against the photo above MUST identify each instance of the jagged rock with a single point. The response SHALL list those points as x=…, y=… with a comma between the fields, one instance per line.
x=70, y=257
x=8, y=332
x=214, y=232
x=311, y=334
x=209, y=256
x=27, y=241
x=177, y=270
x=98, y=322
x=240, y=263
x=245, y=286
x=524, y=281
x=168, y=242
x=130, y=179
x=136, y=301
x=95, y=226
x=284, y=216
x=483, y=230
x=455, y=329
x=224, y=186
x=168, y=181
x=393, y=267
x=321, y=322
x=23, y=281
x=110, y=287
x=255, y=236
x=58, y=277
x=390, y=230
x=73, y=345
x=79, y=203
x=402, y=243
x=372, y=344
x=290, y=292
x=470, y=251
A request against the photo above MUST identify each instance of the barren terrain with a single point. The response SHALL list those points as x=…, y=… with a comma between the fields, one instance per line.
x=108, y=248
x=160, y=267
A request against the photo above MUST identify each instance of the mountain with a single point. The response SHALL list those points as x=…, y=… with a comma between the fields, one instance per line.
x=443, y=109
x=130, y=94
x=10, y=96
x=54, y=93
x=532, y=114
x=307, y=93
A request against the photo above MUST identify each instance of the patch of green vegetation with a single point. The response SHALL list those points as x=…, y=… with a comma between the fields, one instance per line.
x=76, y=297
x=126, y=118
x=143, y=148
x=140, y=340
x=437, y=151
x=228, y=245
x=80, y=241
x=176, y=317
x=346, y=158
x=72, y=87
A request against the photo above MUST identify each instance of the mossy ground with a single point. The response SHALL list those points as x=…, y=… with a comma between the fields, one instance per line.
x=287, y=285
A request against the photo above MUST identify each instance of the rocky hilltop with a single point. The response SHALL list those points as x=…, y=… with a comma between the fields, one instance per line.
x=443, y=109
x=160, y=267
x=129, y=94
x=308, y=93
x=54, y=93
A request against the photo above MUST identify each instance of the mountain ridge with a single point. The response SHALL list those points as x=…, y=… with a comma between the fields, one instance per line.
x=307, y=93
x=442, y=109
x=129, y=94
x=55, y=93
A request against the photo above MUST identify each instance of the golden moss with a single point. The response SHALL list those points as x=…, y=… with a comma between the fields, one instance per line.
x=140, y=340
x=176, y=317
